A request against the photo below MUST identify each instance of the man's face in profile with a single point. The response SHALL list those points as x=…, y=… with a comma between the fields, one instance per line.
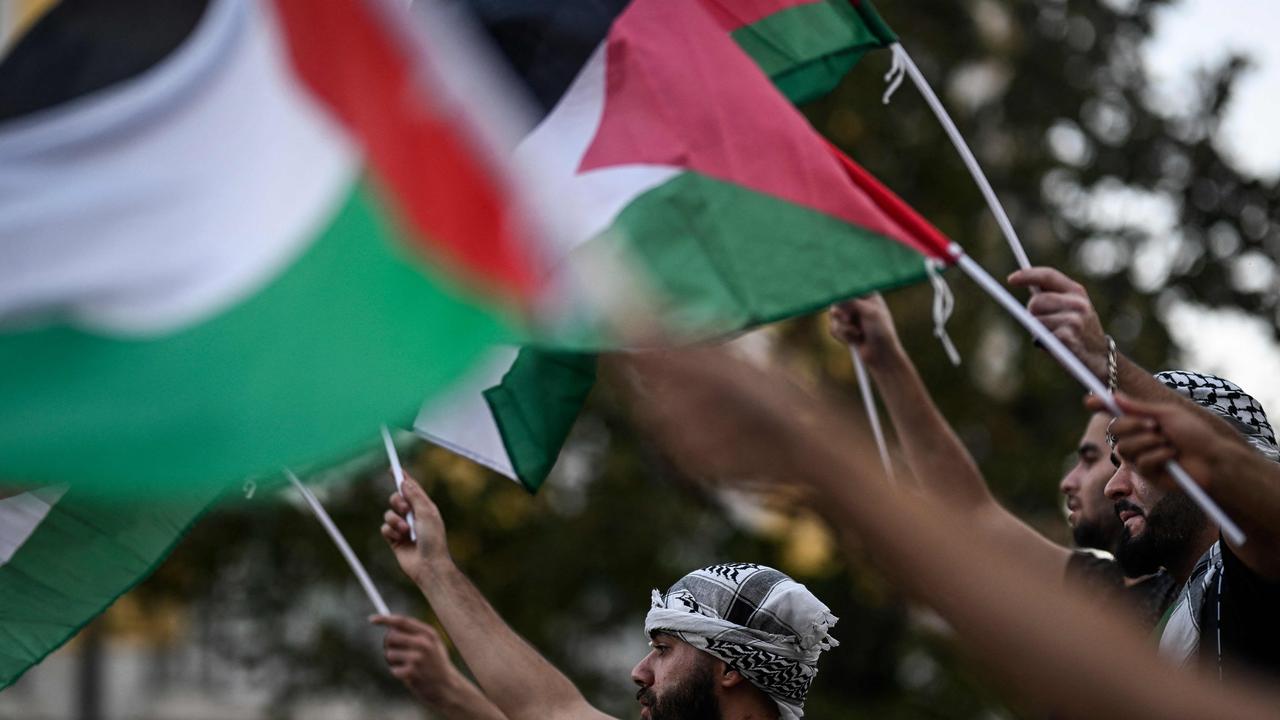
x=1159, y=525
x=1091, y=515
x=677, y=681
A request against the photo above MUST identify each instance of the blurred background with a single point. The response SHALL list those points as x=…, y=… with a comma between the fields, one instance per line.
x=1134, y=145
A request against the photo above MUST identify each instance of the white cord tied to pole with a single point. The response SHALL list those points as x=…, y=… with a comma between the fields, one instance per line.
x=1230, y=530
x=354, y=562
x=869, y=404
x=897, y=73
x=944, y=303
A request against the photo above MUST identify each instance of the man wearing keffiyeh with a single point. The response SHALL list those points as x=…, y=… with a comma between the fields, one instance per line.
x=1223, y=618
x=730, y=642
x=752, y=634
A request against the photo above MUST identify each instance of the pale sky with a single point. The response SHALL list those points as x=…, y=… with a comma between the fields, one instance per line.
x=1190, y=35
x=1197, y=33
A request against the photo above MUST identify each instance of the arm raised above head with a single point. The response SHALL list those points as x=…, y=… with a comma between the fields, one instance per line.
x=519, y=681
x=937, y=457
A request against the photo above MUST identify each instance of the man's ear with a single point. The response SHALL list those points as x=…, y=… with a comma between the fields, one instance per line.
x=727, y=677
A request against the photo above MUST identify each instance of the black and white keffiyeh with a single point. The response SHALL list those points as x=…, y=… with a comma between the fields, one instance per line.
x=760, y=622
x=1226, y=400
x=1180, y=638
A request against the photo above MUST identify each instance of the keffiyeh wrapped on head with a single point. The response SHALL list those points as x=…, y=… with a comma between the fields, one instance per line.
x=757, y=620
x=1226, y=400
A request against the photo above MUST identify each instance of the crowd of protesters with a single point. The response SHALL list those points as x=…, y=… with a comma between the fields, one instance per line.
x=1068, y=630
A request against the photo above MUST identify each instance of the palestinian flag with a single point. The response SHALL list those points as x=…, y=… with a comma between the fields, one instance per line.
x=672, y=123
x=64, y=559
x=245, y=251
x=237, y=237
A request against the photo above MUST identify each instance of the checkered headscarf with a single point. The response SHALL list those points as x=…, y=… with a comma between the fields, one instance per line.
x=1226, y=400
x=760, y=622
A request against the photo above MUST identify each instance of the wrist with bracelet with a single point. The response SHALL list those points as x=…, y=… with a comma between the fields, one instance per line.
x=1112, y=366
x=1112, y=386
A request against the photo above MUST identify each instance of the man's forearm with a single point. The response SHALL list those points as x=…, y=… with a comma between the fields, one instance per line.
x=1014, y=614
x=460, y=699
x=1247, y=486
x=942, y=463
x=933, y=451
x=512, y=673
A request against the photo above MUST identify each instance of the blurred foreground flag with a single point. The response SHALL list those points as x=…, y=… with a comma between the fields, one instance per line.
x=248, y=251
x=63, y=560
x=664, y=119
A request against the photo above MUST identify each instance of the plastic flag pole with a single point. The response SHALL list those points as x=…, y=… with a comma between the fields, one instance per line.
x=398, y=473
x=1230, y=530
x=869, y=404
x=900, y=56
x=361, y=574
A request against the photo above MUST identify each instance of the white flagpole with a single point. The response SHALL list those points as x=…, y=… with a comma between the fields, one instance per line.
x=361, y=574
x=1230, y=530
x=398, y=473
x=900, y=55
x=1051, y=343
x=869, y=404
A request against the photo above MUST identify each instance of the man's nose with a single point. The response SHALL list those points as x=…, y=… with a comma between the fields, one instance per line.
x=1069, y=483
x=642, y=674
x=1120, y=485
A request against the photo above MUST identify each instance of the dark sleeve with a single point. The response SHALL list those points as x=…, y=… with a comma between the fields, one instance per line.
x=1101, y=577
x=1094, y=573
x=1250, y=612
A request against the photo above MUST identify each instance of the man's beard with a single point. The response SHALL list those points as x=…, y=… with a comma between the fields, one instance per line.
x=1172, y=525
x=693, y=699
x=1098, y=533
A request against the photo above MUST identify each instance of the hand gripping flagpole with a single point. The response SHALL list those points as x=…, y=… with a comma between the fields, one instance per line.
x=902, y=62
x=869, y=404
x=1230, y=530
x=398, y=473
x=361, y=574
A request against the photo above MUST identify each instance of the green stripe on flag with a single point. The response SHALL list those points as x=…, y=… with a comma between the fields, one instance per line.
x=80, y=559
x=535, y=406
x=306, y=369
x=725, y=258
x=806, y=49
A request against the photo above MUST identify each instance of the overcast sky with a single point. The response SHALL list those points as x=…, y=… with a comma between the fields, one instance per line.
x=1196, y=33
x=1191, y=35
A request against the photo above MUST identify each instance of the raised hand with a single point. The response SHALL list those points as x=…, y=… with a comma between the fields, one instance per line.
x=431, y=547
x=1065, y=309
x=866, y=325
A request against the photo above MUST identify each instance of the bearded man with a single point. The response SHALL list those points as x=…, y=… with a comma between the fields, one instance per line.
x=943, y=467
x=1224, y=616
x=728, y=642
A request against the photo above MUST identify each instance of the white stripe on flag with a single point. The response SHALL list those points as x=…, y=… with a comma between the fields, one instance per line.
x=20, y=515
x=462, y=422
x=552, y=154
